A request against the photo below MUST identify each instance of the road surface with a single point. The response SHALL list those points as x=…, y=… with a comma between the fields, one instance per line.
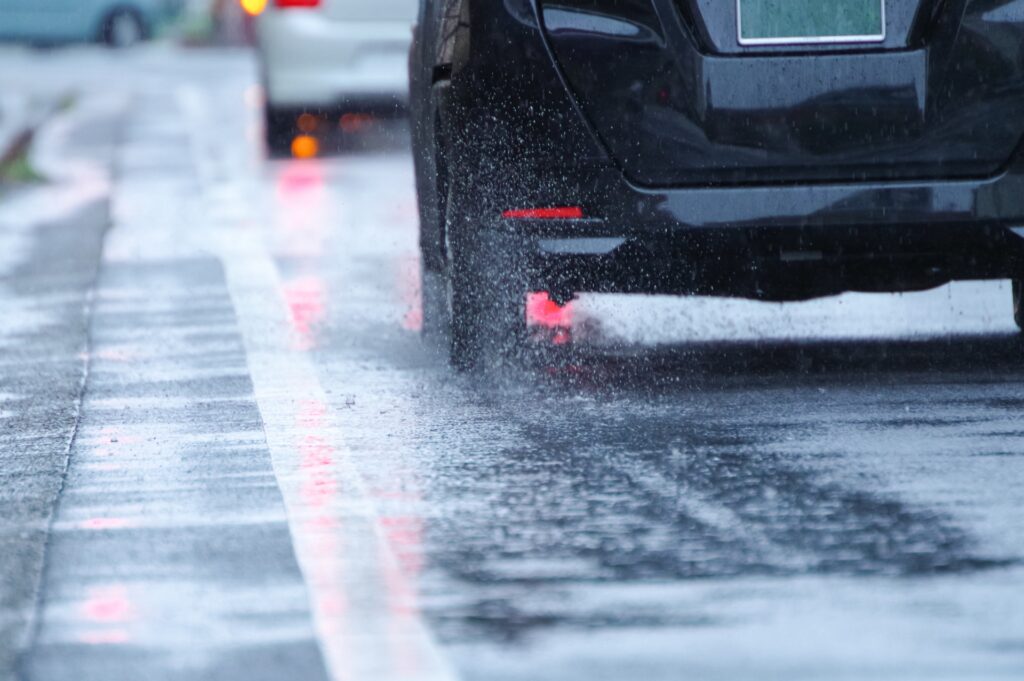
x=227, y=454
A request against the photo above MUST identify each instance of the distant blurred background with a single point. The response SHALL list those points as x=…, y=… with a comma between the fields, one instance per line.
x=123, y=23
x=329, y=71
x=220, y=22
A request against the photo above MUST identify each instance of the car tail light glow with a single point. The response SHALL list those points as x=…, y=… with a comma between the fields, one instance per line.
x=305, y=146
x=284, y=4
x=559, y=213
x=253, y=8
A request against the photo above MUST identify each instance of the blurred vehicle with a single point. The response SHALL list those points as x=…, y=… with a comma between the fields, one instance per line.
x=329, y=56
x=233, y=22
x=771, y=150
x=118, y=23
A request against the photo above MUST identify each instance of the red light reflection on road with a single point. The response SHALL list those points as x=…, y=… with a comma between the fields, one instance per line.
x=404, y=535
x=302, y=208
x=106, y=524
x=401, y=561
x=301, y=222
x=410, y=291
x=334, y=572
x=300, y=182
x=108, y=604
x=106, y=610
x=306, y=309
x=317, y=461
x=319, y=491
x=298, y=177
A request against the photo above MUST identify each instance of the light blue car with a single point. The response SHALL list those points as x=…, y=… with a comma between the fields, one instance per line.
x=118, y=23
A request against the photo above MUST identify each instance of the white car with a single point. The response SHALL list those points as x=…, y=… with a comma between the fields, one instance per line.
x=328, y=57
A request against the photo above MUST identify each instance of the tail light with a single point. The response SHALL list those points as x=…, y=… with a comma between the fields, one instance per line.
x=253, y=8
x=285, y=4
x=559, y=213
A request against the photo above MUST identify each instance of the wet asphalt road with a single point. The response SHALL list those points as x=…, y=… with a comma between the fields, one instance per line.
x=269, y=475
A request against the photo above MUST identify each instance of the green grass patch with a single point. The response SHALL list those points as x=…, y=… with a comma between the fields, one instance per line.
x=66, y=103
x=20, y=171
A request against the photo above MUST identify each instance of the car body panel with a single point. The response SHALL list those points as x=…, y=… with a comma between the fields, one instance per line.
x=324, y=56
x=673, y=112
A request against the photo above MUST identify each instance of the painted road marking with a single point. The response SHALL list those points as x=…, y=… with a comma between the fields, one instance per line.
x=365, y=612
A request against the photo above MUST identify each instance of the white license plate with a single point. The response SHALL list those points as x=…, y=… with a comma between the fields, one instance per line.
x=795, y=22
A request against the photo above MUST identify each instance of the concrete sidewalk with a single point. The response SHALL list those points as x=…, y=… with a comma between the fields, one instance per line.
x=51, y=237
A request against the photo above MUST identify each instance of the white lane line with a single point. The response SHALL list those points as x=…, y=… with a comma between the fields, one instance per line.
x=366, y=616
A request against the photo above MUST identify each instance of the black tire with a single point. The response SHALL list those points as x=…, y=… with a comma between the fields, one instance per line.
x=431, y=184
x=123, y=28
x=486, y=298
x=1018, y=302
x=279, y=130
x=434, y=291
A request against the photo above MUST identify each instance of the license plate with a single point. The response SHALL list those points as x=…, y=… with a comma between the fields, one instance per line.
x=795, y=22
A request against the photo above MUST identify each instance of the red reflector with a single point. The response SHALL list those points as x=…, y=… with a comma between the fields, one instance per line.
x=297, y=3
x=562, y=213
x=542, y=311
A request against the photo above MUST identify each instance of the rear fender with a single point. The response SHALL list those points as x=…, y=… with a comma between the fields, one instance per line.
x=515, y=132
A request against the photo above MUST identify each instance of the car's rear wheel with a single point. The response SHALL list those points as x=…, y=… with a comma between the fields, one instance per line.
x=123, y=28
x=431, y=190
x=486, y=292
x=1018, y=302
x=486, y=306
x=434, y=300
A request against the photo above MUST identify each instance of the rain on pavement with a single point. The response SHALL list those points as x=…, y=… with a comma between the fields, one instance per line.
x=269, y=475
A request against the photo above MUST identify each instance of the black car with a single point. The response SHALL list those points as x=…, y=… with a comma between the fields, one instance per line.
x=771, y=149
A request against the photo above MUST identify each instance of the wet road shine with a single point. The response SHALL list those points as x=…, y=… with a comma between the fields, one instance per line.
x=271, y=476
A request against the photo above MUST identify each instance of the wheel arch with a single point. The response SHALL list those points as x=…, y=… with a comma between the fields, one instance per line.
x=106, y=12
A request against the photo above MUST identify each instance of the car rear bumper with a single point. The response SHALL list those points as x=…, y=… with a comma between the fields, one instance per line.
x=310, y=60
x=611, y=202
x=773, y=242
x=774, y=264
